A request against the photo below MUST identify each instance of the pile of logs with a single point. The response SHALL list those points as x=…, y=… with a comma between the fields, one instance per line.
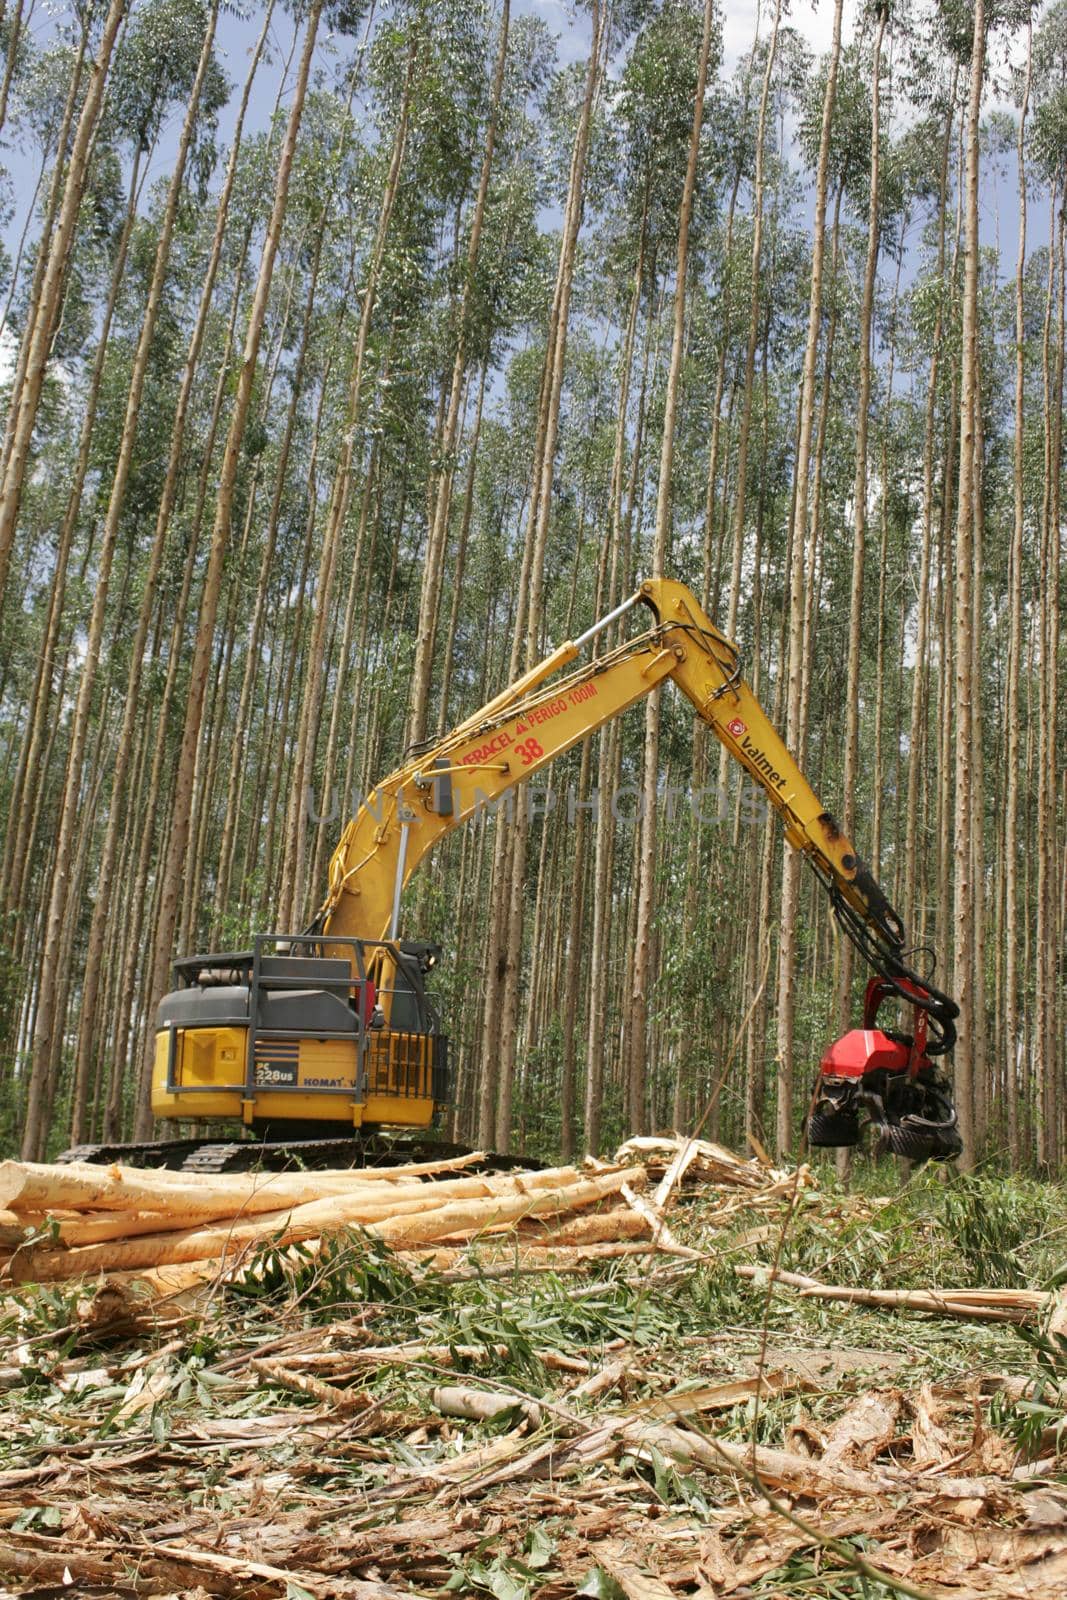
x=700, y=1160
x=74, y=1221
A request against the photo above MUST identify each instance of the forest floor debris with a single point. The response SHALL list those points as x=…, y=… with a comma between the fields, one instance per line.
x=335, y=1417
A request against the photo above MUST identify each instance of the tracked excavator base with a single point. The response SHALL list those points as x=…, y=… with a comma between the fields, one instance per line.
x=286, y=1155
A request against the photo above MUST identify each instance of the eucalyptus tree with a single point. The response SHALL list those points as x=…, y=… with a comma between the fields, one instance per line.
x=772, y=64
x=932, y=143
x=769, y=52
x=170, y=571
x=1050, y=150
x=660, y=544
x=509, y=287
x=50, y=96
x=1011, y=1053
x=160, y=77
x=504, y=946
x=853, y=691
x=14, y=26
x=30, y=774
x=646, y=143
x=174, y=59
x=435, y=122
x=178, y=837
x=801, y=576
x=44, y=311
x=967, y=902
x=45, y=100
x=440, y=493
x=294, y=888
x=330, y=165
x=636, y=151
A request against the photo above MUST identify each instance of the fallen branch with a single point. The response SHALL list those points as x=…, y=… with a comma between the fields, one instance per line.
x=481, y=1405
x=980, y=1305
x=661, y=1234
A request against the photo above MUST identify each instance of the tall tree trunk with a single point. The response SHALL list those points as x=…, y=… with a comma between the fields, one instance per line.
x=604, y=841
x=920, y=674
x=14, y=39
x=269, y=893
x=18, y=843
x=433, y=569
x=294, y=887
x=175, y=863
x=854, y=668
x=147, y=884
x=967, y=904
x=238, y=756
x=745, y=425
x=57, y=915
x=357, y=588
x=116, y=502
x=880, y=667
x=26, y=401
x=504, y=949
x=946, y=600
x=646, y=882
x=1047, y=1044
x=48, y=222
x=460, y=560
x=795, y=666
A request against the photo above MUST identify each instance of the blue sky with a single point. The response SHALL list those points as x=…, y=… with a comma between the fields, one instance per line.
x=237, y=35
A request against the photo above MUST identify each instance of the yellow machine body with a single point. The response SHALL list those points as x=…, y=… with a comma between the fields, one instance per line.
x=385, y=1071
x=200, y=1074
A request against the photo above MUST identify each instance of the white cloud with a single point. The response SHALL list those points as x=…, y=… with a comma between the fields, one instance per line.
x=9, y=350
x=814, y=23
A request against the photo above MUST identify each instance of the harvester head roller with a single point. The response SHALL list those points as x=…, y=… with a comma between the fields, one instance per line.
x=887, y=1081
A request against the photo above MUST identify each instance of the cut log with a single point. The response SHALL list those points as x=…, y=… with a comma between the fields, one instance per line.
x=332, y=1177
x=420, y=1219
x=12, y=1230
x=621, y=1222
x=28, y=1185
x=688, y=1152
x=471, y=1217
x=533, y=1195
x=195, y=1201
x=712, y=1160
x=98, y=1227
x=14, y=1225
x=479, y=1405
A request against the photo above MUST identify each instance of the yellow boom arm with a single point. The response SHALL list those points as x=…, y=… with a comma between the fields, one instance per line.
x=531, y=723
x=274, y=1042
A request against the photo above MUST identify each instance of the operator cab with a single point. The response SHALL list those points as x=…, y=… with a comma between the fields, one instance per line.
x=324, y=1034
